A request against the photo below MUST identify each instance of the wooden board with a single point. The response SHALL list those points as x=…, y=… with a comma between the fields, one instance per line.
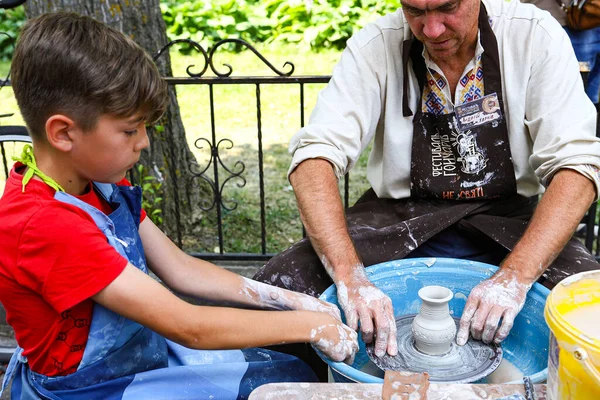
x=368, y=391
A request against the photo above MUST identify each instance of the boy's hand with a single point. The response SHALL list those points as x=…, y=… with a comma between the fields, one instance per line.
x=265, y=295
x=302, y=301
x=336, y=340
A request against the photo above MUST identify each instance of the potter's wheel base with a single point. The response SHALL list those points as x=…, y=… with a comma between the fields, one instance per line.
x=462, y=364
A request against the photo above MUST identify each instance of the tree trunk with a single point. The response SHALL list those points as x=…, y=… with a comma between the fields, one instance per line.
x=169, y=152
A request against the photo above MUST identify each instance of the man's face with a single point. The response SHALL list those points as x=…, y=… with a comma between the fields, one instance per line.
x=443, y=26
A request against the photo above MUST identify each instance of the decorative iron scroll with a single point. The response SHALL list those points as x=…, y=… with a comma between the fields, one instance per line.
x=236, y=171
x=209, y=57
x=218, y=191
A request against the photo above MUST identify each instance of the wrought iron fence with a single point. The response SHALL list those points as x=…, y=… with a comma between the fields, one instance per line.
x=216, y=173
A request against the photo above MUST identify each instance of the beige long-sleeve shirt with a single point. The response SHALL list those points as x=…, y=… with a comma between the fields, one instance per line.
x=551, y=122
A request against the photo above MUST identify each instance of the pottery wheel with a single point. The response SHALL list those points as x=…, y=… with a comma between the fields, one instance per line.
x=461, y=364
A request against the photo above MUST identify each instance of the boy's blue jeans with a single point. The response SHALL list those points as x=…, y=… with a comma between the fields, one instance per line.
x=587, y=49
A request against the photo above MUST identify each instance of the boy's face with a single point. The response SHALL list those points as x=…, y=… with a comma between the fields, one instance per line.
x=111, y=148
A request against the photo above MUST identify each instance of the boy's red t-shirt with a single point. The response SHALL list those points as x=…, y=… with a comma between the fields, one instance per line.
x=53, y=258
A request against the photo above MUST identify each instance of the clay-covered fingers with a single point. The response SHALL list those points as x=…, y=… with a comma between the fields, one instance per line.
x=392, y=344
x=465, y=320
x=366, y=322
x=336, y=341
x=351, y=345
x=385, y=329
x=479, y=320
x=330, y=309
x=507, y=323
x=348, y=306
x=490, y=325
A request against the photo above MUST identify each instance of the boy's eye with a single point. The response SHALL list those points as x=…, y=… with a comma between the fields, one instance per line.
x=131, y=133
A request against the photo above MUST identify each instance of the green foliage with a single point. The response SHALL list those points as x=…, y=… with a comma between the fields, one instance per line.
x=152, y=194
x=323, y=23
x=210, y=21
x=318, y=24
x=11, y=22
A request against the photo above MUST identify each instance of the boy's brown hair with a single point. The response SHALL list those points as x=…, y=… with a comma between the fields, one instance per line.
x=69, y=64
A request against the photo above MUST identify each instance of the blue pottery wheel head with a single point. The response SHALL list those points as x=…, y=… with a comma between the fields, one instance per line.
x=461, y=364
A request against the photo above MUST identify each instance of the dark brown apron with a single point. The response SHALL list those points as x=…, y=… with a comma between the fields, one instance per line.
x=464, y=155
x=462, y=178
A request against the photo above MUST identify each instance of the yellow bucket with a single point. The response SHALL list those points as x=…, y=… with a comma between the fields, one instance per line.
x=573, y=314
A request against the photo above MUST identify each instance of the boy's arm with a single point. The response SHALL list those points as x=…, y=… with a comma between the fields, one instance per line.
x=140, y=298
x=197, y=278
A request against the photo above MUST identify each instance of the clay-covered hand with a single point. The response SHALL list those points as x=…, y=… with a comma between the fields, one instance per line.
x=500, y=297
x=267, y=296
x=362, y=301
x=336, y=340
x=300, y=301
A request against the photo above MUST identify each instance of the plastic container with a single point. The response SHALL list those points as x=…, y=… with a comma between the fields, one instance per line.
x=526, y=347
x=573, y=315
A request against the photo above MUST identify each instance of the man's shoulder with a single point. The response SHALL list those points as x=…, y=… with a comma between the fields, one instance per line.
x=390, y=24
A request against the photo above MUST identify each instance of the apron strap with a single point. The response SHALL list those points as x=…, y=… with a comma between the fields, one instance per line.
x=490, y=59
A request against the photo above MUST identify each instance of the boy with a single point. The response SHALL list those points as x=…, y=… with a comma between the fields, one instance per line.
x=76, y=246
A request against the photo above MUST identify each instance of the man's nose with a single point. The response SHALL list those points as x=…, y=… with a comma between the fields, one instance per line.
x=143, y=141
x=433, y=27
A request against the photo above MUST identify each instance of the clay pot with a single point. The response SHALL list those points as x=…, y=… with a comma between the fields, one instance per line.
x=433, y=328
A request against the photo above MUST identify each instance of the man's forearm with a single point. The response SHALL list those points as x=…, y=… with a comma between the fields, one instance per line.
x=322, y=214
x=560, y=210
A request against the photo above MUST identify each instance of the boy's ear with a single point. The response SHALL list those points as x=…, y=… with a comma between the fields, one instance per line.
x=59, y=132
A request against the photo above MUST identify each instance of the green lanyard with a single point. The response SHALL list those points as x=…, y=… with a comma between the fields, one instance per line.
x=28, y=159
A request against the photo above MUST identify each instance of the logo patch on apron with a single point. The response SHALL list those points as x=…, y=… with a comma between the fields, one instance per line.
x=479, y=112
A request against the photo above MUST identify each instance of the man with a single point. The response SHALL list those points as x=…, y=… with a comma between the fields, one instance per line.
x=474, y=109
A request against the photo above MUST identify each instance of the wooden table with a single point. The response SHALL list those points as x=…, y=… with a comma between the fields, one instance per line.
x=367, y=391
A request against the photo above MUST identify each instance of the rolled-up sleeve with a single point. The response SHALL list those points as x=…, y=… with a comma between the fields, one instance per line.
x=560, y=117
x=347, y=112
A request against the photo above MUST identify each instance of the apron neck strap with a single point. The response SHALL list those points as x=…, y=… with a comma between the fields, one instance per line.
x=28, y=159
x=490, y=59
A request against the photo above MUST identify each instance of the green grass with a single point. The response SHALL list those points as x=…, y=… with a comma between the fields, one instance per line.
x=236, y=120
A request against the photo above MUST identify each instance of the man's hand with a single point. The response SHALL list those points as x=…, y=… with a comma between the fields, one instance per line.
x=335, y=340
x=362, y=301
x=500, y=297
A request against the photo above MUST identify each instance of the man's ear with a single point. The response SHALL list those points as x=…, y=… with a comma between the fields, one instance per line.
x=60, y=131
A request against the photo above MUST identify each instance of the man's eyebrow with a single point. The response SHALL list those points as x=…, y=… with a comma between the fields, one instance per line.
x=446, y=4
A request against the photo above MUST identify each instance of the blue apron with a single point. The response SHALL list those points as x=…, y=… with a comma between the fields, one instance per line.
x=125, y=360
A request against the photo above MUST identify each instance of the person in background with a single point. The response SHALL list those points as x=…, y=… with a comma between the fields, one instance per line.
x=77, y=247
x=586, y=44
